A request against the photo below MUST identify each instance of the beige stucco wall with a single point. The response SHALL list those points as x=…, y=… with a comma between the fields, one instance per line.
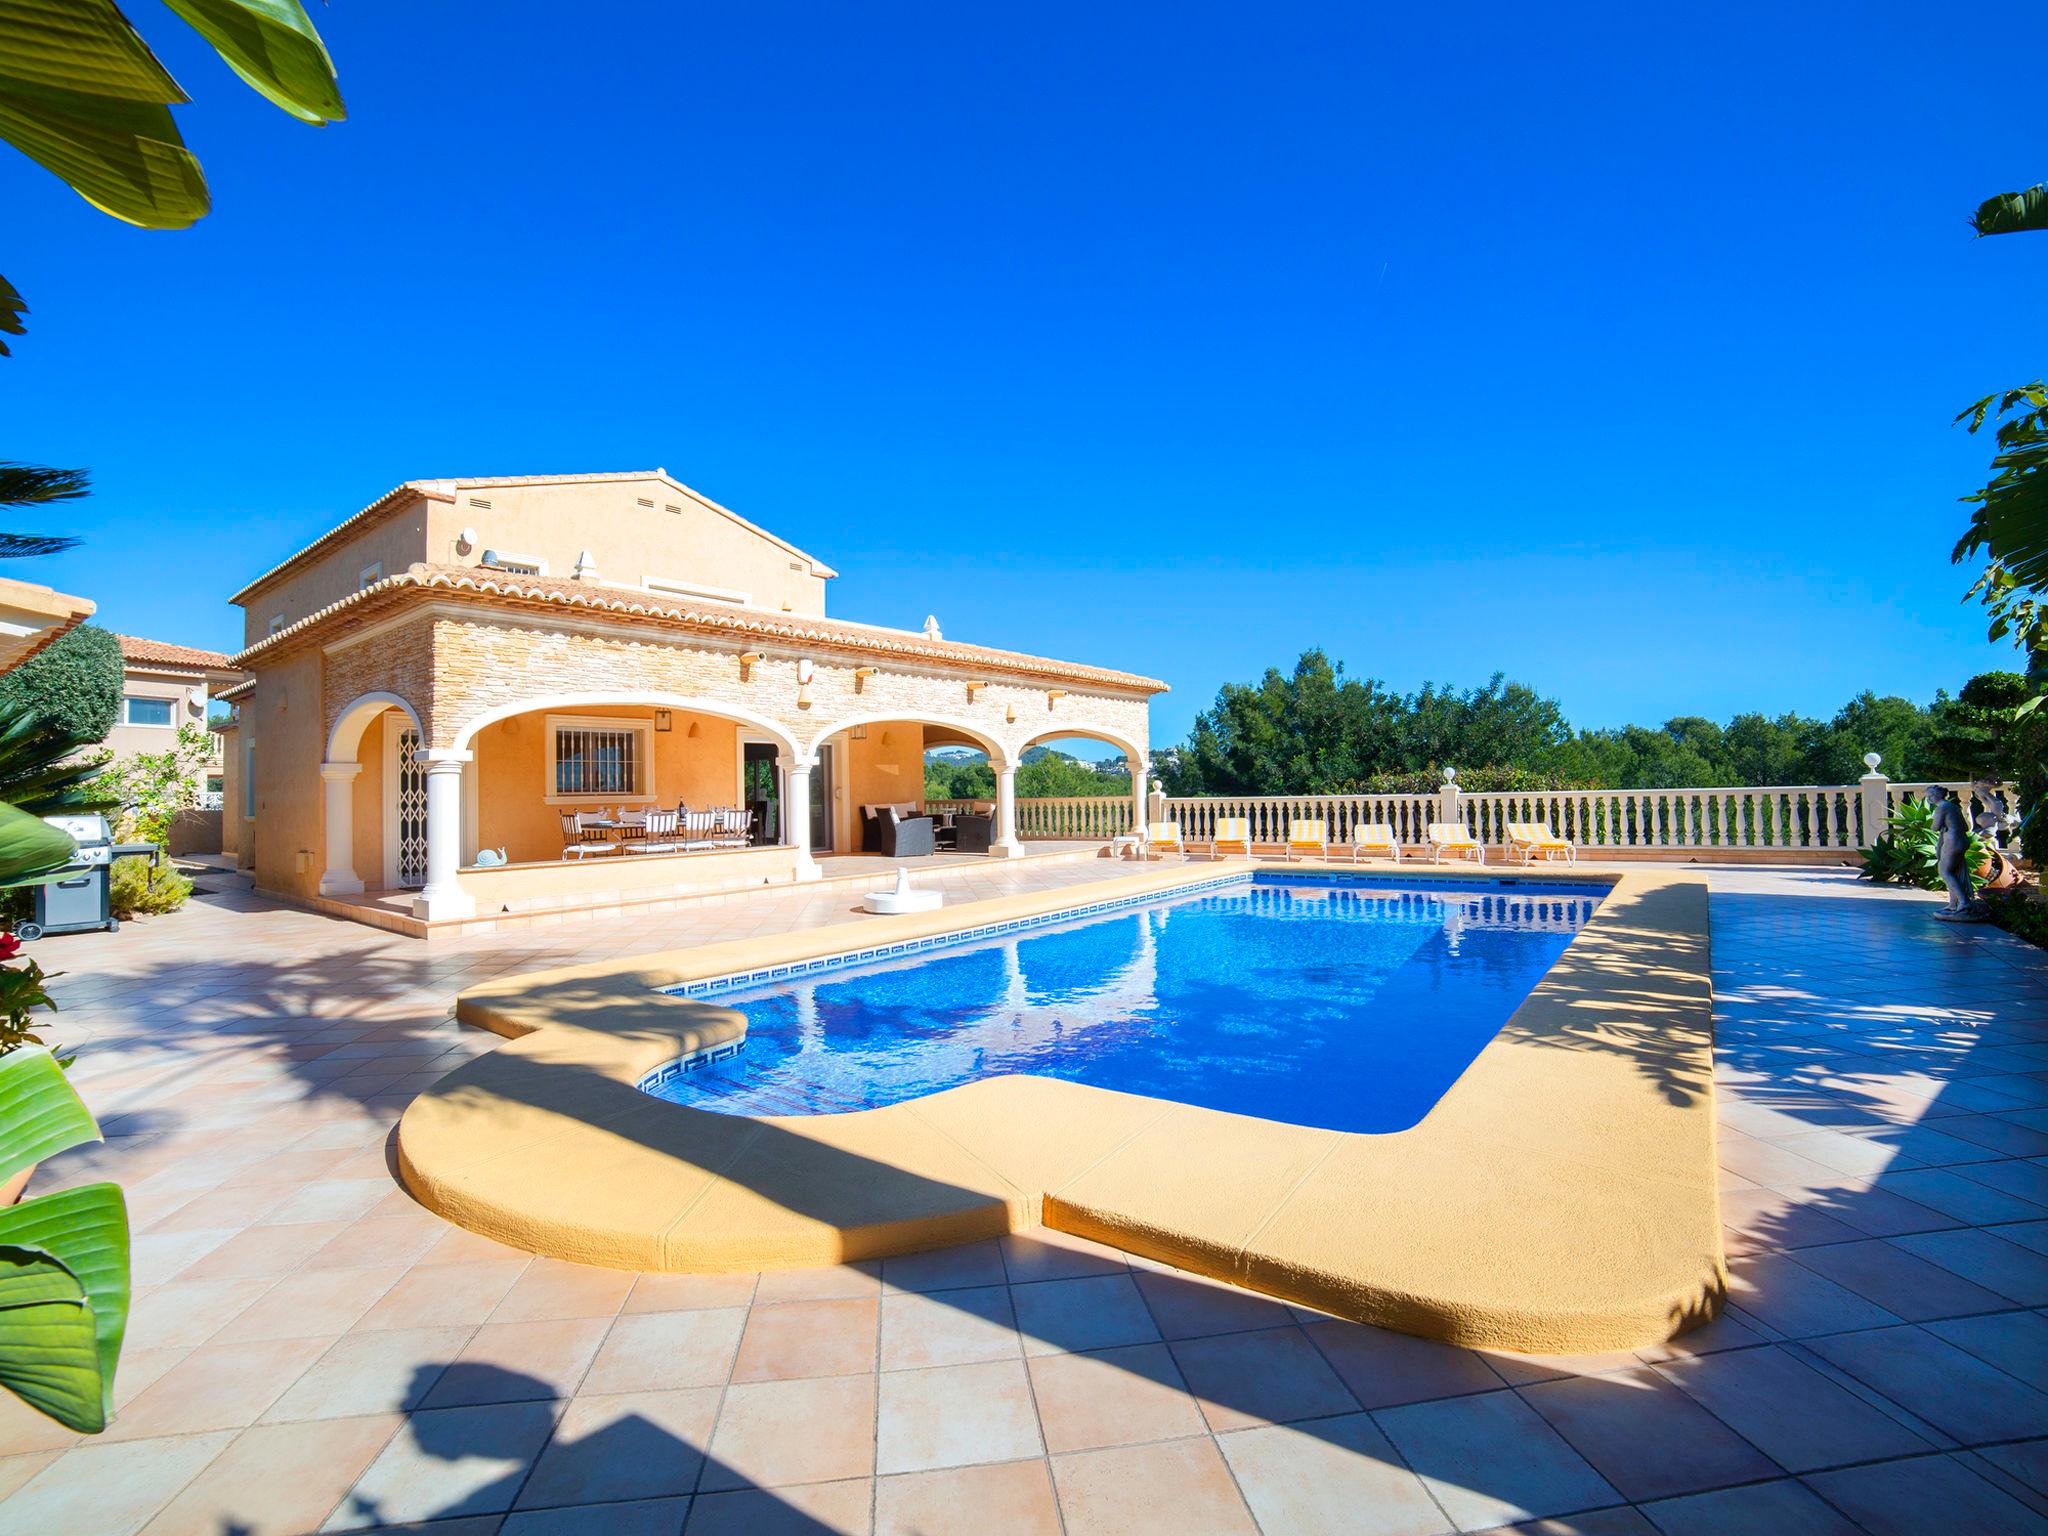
x=627, y=542
x=879, y=772
x=237, y=832
x=187, y=696
x=512, y=785
x=284, y=718
x=395, y=540
x=368, y=801
x=554, y=524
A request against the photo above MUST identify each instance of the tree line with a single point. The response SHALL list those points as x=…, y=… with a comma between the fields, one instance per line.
x=1319, y=731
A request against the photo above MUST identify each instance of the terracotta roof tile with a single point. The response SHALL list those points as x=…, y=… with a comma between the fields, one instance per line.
x=163, y=653
x=481, y=582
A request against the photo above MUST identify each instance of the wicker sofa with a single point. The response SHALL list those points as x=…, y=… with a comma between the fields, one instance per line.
x=885, y=829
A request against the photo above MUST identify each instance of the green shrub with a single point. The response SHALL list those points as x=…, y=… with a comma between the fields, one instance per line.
x=73, y=685
x=135, y=892
x=1906, y=854
x=2021, y=913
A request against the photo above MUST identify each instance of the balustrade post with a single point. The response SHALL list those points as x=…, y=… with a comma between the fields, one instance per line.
x=1447, y=798
x=1875, y=801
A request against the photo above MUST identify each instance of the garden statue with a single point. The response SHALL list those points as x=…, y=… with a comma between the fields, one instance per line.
x=1952, y=829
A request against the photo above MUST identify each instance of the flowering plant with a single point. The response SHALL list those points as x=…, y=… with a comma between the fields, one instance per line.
x=23, y=989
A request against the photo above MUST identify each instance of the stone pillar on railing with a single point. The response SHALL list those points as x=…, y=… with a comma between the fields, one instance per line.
x=1139, y=769
x=1875, y=800
x=1155, y=805
x=1447, y=798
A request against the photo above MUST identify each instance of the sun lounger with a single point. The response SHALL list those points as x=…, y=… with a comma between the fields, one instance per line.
x=1162, y=838
x=1308, y=837
x=1452, y=838
x=1534, y=840
x=1374, y=838
x=1233, y=834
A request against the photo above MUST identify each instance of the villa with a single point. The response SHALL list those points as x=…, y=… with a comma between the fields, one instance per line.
x=463, y=666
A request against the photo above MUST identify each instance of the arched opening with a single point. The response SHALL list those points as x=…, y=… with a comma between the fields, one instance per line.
x=878, y=795
x=545, y=774
x=1065, y=791
x=375, y=809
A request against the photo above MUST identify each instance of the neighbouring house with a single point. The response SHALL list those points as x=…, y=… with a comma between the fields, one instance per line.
x=32, y=616
x=163, y=687
x=464, y=665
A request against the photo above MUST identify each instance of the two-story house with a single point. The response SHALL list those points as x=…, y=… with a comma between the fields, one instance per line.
x=457, y=671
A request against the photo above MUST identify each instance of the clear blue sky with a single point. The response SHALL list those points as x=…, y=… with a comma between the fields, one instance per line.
x=1612, y=348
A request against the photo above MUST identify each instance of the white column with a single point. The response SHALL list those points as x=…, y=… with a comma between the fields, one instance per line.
x=1875, y=798
x=339, y=782
x=1140, y=770
x=1006, y=845
x=796, y=815
x=443, y=897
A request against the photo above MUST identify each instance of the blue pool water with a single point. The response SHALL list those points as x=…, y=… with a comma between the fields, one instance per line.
x=1351, y=1005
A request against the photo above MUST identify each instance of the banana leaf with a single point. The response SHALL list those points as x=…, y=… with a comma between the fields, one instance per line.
x=41, y=1114
x=2012, y=213
x=81, y=45
x=49, y=1349
x=124, y=157
x=84, y=1232
x=271, y=44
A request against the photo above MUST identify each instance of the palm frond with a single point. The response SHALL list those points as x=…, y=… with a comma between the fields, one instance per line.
x=2012, y=213
x=12, y=308
x=25, y=485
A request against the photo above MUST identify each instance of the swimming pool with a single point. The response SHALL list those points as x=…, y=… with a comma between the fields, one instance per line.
x=1346, y=1003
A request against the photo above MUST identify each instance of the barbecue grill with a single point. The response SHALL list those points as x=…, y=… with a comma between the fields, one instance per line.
x=79, y=898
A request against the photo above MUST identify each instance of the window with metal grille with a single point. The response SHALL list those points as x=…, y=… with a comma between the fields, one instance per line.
x=599, y=760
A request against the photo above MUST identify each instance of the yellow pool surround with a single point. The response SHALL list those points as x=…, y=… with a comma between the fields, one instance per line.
x=1560, y=1197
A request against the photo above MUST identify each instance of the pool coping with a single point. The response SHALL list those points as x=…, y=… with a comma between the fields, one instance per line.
x=1561, y=1196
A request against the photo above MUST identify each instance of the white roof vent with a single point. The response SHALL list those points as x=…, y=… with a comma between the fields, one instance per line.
x=931, y=627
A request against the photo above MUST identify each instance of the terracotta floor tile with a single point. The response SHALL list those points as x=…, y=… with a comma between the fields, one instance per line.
x=371, y=1372
x=1015, y=1499
x=1187, y=1306
x=952, y=1327
x=449, y=1462
x=813, y=1509
x=550, y=1289
x=1799, y=1418
x=641, y=1517
x=1933, y=1380
x=1049, y=1255
x=955, y=1415
x=310, y=1303
x=840, y=1282
x=1092, y=1312
x=808, y=1338
x=682, y=1293
x=1382, y=1368
x=776, y=1432
x=105, y=1488
x=445, y=1296
x=1113, y=1397
x=1644, y=1436
x=273, y=1251
x=1783, y=1508
x=1490, y=1459
x=1927, y=1494
x=940, y=1269
x=634, y=1445
x=516, y=1362
x=660, y=1351
x=217, y=1386
x=277, y=1479
x=1272, y=1376
x=1332, y=1477
x=1179, y=1488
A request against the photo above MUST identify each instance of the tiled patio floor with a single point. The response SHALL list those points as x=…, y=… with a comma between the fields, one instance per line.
x=310, y=1350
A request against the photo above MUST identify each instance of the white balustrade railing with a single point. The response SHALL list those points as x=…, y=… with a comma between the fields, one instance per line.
x=1075, y=817
x=1811, y=817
